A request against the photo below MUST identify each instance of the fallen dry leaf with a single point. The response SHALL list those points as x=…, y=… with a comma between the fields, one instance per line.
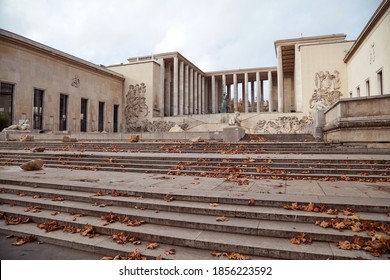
x=301, y=238
x=152, y=246
x=58, y=199
x=55, y=213
x=214, y=204
x=170, y=252
x=251, y=202
x=11, y=220
x=216, y=253
x=348, y=211
x=23, y=240
x=222, y=219
x=169, y=198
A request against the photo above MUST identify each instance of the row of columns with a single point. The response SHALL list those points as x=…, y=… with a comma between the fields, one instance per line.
x=186, y=91
x=226, y=89
x=188, y=88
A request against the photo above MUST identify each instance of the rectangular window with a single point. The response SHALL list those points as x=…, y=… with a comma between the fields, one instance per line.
x=358, y=91
x=101, y=117
x=38, y=109
x=116, y=118
x=83, y=115
x=380, y=82
x=63, y=116
x=6, y=104
x=368, y=87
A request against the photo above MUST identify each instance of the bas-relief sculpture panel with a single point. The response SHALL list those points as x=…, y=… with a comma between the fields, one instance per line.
x=136, y=112
x=287, y=124
x=327, y=90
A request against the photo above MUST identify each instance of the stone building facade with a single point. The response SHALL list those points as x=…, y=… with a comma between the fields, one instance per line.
x=60, y=92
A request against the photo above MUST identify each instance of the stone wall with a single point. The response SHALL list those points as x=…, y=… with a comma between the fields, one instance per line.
x=364, y=119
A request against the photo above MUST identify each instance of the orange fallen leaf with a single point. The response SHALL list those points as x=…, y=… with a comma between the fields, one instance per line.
x=251, y=202
x=170, y=252
x=222, y=219
x=214, y=204
x=152, y=246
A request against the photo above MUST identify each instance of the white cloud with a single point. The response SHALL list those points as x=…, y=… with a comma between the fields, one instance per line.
x=213, y=34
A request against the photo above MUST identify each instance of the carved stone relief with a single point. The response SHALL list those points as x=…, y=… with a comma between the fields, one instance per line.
x=288, y=124
x=327, y=90
x=75, y=81
x=136, y=108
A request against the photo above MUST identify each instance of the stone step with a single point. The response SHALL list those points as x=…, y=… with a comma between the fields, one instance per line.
x=272, y=247
x=223, y=169
x=205, y=161
x=312, y=147
x=249, y=226
x=158, y=204
x=103, y=245
x=377, y=205
x=246, y=168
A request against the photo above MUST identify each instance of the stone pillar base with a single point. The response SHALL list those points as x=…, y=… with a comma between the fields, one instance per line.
x=233, y=134
x=319, y=123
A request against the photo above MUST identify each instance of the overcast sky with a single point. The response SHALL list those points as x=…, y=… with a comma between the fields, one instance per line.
x=213, y=34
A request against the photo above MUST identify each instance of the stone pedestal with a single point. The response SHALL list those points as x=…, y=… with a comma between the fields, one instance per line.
x=233, y=134
x=318, y=124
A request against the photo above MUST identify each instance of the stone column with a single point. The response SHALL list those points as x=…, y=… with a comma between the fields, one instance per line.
x=181, y=88
x=235, y=92
x=195, y=92
x=162, y=87
x=252, y=96
x=175, y=86
x=246, y=103
x=203, y=96
x=229, y=94
x=199, y=94
x=186, y=90
x=258, y=93
x=191, y=93
x=213, y=95
x=280, y=81
x=223, y=91
x=270, y=93
x=167, y=86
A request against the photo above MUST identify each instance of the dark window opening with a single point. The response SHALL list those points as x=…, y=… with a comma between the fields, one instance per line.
x=116, y=118
x=6, y=101
x=38, y=109
x=63, y=118
x=84, y=115
x=101, y=117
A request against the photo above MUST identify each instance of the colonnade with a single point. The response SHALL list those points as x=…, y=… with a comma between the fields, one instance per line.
x=186, y=90
x=182, y=88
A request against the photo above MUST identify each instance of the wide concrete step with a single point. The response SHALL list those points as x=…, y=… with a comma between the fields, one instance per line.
x=272, y=247
x=27, y=196
x=365, y=170
x=249, y=226
x=92, y=186
x=104, y=246
x=207, y=147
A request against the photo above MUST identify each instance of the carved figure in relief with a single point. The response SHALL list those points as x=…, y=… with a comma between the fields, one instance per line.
x=136, y=108
x=288, y=124
x=327, y=90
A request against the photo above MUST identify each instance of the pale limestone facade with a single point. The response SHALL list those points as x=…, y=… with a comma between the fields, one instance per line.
x=38, y=77
x=154, y=93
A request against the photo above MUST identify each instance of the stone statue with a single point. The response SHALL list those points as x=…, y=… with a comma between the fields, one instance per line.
x=23, y=125
x=235, y=120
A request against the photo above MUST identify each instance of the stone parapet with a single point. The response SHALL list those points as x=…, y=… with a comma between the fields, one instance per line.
x=365, y=119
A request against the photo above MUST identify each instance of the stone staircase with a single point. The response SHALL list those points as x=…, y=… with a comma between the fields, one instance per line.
x=210, y=147
x=190, y=222
x=209, y=165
